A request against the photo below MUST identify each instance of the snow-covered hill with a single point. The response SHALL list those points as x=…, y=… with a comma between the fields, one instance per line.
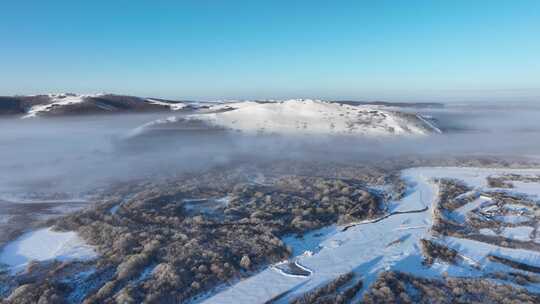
x=308, y=117
x=295, y=116
x=56, y=100
x=75, y=104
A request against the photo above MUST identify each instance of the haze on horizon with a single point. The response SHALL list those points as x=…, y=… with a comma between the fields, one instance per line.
x=207, y=50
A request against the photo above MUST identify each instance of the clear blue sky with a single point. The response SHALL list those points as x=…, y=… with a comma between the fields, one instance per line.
x=393, y=50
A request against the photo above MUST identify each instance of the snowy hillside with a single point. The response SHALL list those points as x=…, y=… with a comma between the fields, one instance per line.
x=65, y=104
x=303, y=117
x=56, y=100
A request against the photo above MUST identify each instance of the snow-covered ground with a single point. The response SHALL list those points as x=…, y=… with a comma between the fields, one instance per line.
x=173, y=106
x=521, y=233
x=57, y=100
x=478, y=251
x=391, y=243
x=300, y=117
x=43, y=245
x=460, y=214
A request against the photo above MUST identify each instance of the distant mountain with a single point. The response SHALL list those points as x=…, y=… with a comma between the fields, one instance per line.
x=74, y=104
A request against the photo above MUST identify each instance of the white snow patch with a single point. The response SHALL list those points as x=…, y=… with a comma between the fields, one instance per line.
x=518, y=208
x=520, y=233
x=174, y=106
x=461, y=212
x=45, y=244
x=309, y=242
x=531, y=188
x=487, y=231
x=512, y=219
x=223, y=201
x=478, y=251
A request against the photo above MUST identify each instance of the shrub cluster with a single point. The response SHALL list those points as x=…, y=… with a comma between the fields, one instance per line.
x=340, y=290
x=433, y=251
x=397, y=287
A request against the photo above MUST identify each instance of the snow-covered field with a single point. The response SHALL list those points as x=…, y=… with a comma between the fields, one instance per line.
x=44, y=245
x=301, y=117
x=390, y=244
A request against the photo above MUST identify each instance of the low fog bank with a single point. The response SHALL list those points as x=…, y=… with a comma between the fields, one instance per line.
x=61, y=154
x=41, y=157
x=484, y=117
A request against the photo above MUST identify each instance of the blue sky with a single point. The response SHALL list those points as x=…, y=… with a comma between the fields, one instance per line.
x=392, y=50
